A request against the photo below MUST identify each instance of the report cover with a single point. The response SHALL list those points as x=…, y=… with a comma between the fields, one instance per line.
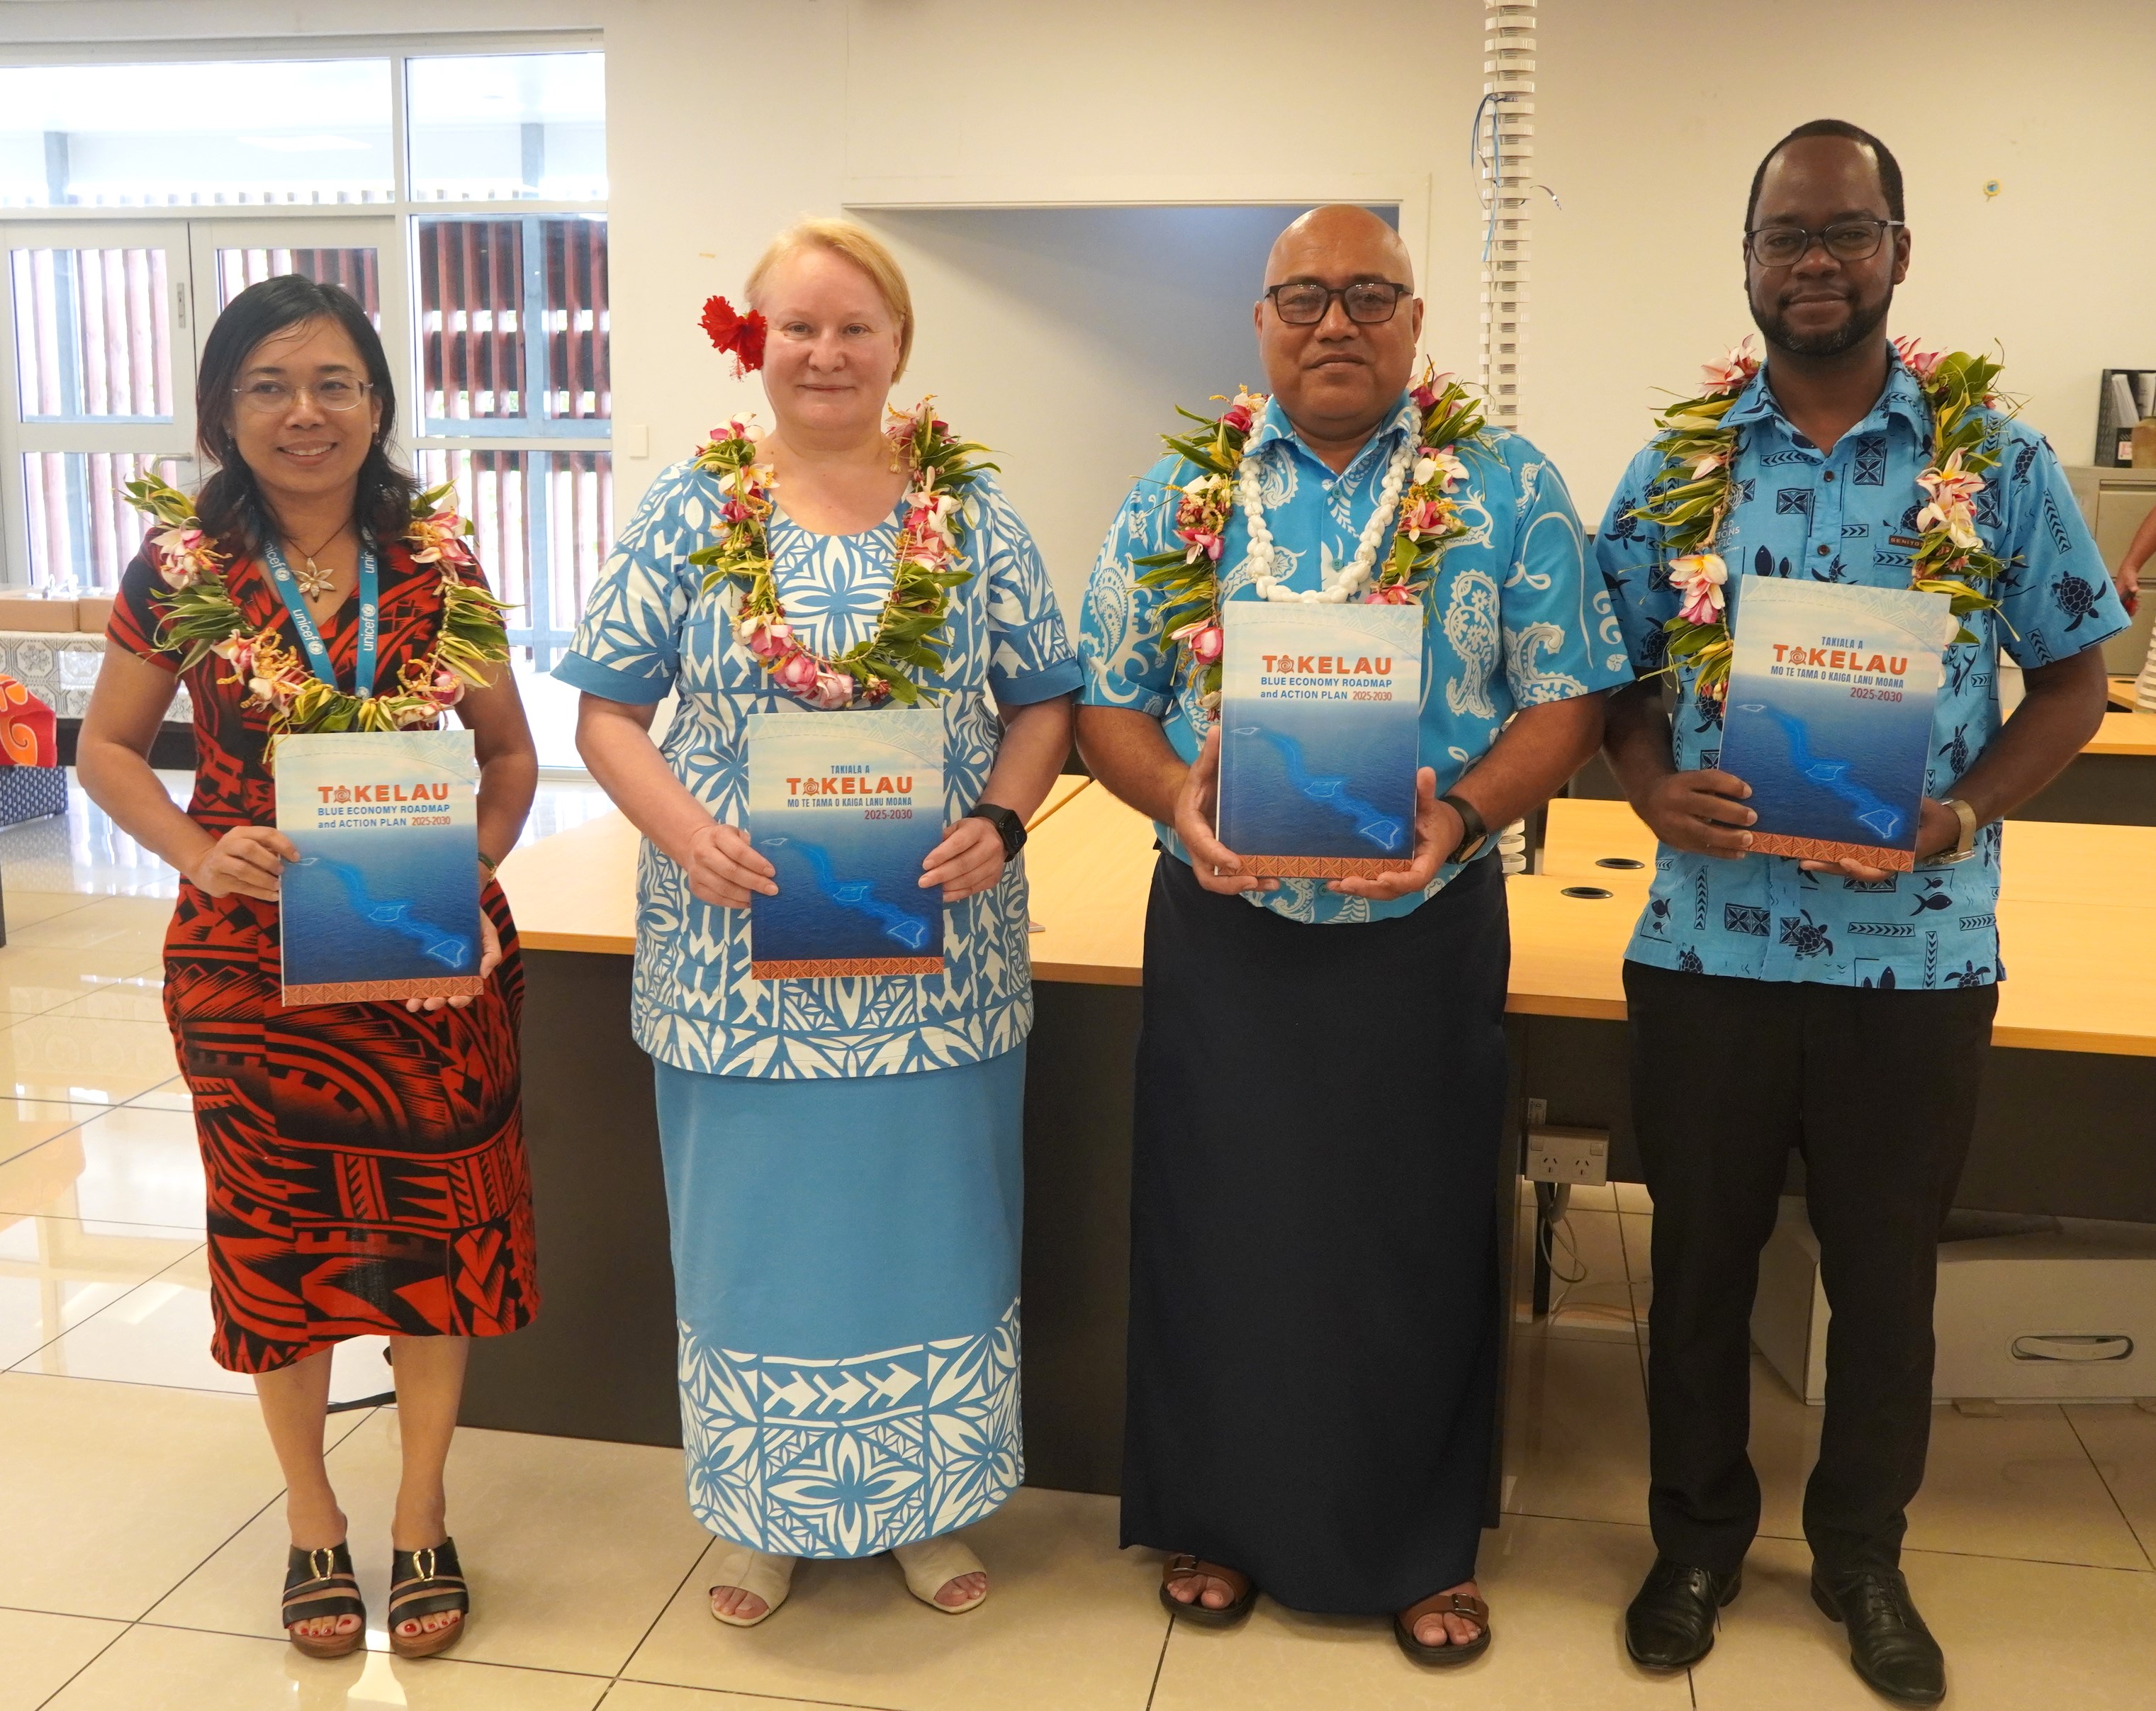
x=1320, y=709
x=846, y=807
x=1829, y=717
x=383, y=903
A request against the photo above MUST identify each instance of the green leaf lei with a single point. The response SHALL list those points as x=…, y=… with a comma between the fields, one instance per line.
x=927, y=565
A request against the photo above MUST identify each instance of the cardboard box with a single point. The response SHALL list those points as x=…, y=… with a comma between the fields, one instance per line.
x=92, y=612
x=27, y=611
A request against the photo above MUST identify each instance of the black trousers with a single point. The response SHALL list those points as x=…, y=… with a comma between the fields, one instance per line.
x=1878, y=1090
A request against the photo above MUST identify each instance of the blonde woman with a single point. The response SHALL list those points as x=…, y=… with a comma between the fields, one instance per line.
x=843, y=1159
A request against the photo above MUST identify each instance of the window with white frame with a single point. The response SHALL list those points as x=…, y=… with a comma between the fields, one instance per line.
x=456, y=187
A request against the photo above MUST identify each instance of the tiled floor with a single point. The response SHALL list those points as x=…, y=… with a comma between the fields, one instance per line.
x=143, y=1538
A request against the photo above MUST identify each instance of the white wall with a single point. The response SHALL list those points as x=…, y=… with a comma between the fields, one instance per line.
x=1654, y=115
x=904, y=113
x=728, y=119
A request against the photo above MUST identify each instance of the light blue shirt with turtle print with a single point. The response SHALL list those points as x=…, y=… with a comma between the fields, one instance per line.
x=1850, y=515
x=1514, y=617
x=649, y=629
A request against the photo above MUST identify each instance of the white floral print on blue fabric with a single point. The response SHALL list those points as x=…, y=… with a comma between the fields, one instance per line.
x=846, y=1458
x=649, y=627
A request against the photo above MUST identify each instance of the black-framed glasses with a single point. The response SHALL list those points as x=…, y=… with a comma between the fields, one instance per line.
x=265, y=396
x=1304, y=302
x=1844, y=241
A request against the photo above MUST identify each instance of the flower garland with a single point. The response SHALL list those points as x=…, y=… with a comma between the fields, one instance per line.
x=927, y=565
x=1690, y=495
x=202, y=618
x=1415, y=492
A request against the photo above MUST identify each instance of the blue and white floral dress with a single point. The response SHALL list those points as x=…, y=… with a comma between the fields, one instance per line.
x=842, y=1158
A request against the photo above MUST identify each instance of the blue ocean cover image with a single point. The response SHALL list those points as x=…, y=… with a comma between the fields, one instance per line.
x=847, y=889
x=1823, y=765
x=1320, y=778
x=1832, y=738
x=379, y=905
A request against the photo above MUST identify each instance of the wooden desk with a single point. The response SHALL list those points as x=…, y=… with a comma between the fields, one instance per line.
x=2124, y=734
x=2068, y=1092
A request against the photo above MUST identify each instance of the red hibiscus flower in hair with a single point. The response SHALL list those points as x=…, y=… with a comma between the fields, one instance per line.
x=742, y=335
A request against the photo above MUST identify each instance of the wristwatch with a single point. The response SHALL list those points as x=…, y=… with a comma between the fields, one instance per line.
x=1008, y=826
x=1965, y=846
x=1474, y=834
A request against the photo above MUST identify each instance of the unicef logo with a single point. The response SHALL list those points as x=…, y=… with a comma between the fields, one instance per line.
x=367, y=611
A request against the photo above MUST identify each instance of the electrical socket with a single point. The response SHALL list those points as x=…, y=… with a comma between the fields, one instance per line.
x=1568, y=1155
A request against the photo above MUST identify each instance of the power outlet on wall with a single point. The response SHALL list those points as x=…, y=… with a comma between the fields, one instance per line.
x=1573, y=1155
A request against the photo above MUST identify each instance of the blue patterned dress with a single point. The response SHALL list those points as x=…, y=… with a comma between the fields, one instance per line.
x=843, y=1157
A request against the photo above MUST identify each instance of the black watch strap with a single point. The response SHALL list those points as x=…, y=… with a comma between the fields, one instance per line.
x=1008, y=826
x=1474, y=833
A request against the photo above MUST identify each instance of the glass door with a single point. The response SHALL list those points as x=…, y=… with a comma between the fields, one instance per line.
x=97, y=345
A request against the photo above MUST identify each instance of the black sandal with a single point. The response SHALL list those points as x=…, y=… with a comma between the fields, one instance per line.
x=1459, y=1604
x=1184, y=1566
x=426, y=1582
x=318, y=1583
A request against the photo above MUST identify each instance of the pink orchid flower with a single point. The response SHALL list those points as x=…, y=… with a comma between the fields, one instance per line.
x=766, y=637
x=833, y=690
x=1427, y=394
x=1392, y=594
x=1423, y=516
x=1920, y=362
x=1204, y=541
x=1204, y=639
x=1708, y=464
x=797, y=672
x=1699, y=576
x=1954, y=492
x=1731, y=373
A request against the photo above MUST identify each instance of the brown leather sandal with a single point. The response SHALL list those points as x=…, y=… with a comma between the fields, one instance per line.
x=1461, y=1604
x=1183, y=1567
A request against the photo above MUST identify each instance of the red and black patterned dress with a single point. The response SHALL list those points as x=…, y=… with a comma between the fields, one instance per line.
x=365, y=1164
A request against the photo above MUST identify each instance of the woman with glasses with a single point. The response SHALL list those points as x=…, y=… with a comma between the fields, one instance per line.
x=366, y=1162
x=842, y=1155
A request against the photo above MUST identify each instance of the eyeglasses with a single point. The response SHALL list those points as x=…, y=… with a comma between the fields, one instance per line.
x=1844, y=241
x=1305, y=303
x=270, y=397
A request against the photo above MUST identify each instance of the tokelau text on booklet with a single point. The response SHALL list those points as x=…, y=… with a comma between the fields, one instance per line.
x=845, y=807
x=383, y=902
x=1829, y=715
x=1319, y=706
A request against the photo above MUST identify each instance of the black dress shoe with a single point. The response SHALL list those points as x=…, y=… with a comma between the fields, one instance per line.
x=1670, y=1624
x=1888, y=1642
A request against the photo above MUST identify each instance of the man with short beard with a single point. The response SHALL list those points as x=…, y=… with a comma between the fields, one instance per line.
x=1321, y=1076
x=1827, y=1006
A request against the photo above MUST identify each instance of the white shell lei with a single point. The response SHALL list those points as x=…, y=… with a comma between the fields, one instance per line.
x=1355, y=575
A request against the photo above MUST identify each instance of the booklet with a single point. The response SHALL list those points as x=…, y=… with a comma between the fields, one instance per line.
x=846, y=807
x=1829, y=717
x=383, y=903
x=1321, y=707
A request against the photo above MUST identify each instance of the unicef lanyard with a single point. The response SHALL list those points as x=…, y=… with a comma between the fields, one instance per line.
x=311, y=637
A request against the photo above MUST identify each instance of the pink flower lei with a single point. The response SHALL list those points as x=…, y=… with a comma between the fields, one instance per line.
x=1691, y=497
x=201, y=620
x=1187, y=576
x=927, y=566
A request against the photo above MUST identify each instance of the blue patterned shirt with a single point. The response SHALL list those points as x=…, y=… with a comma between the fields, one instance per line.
x=650, y=628
x=1514, y=618
x=1850, y=515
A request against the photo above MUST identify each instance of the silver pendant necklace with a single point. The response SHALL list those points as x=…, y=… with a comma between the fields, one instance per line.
x=313, y=580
